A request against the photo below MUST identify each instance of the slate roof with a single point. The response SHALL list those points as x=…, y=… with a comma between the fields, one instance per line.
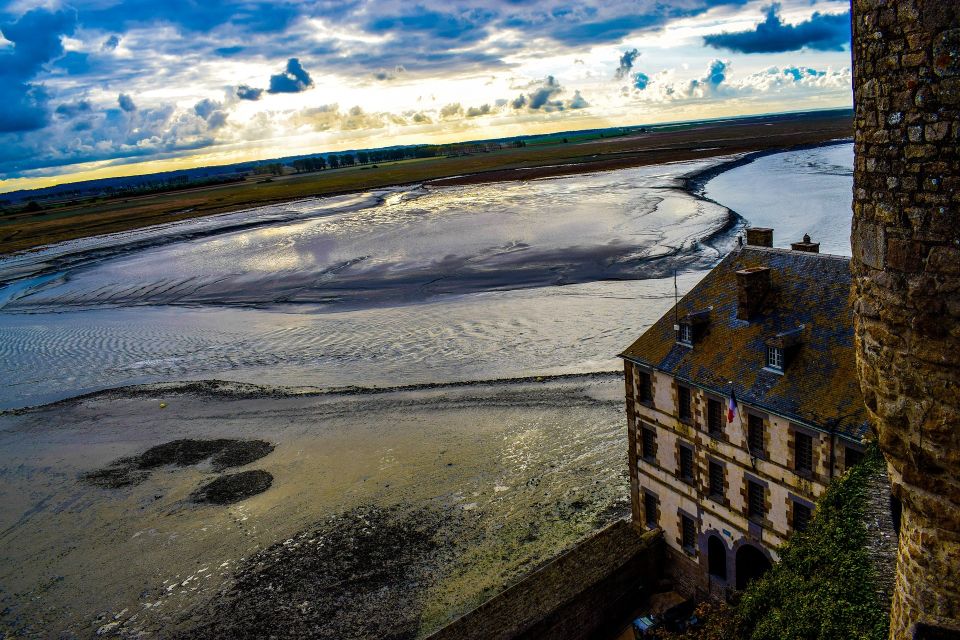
x=819, y=385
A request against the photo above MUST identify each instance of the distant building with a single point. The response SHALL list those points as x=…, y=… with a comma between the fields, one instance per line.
x=772, y=328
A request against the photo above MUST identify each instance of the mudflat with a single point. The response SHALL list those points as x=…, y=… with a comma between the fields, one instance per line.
x=25, y=230
x=387, y=513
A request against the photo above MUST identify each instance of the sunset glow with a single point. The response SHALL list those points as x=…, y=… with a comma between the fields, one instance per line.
x=99, y=89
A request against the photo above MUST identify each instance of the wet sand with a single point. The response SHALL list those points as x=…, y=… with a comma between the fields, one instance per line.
x=512, y=472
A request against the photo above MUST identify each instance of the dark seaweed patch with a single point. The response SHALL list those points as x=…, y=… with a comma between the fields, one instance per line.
x=225, y=453
x=361, y=574
x=240, y=452
x=233, y=487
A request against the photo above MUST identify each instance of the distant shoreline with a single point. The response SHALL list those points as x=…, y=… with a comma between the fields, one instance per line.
x=772, y=135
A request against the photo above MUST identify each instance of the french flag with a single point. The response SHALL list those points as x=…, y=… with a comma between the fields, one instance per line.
x=731, y=406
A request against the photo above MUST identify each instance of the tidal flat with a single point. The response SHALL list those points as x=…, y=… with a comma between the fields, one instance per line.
x=482, y=481
x=401, y=479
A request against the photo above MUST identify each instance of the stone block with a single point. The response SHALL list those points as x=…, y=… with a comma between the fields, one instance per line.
x=937, y=131
x=946, y=53
x=944, y=260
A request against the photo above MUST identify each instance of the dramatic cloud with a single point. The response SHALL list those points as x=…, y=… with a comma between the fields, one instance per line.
x=294, y=80
x=73, y=109
x=123, y=81
x=212, y=112
x=626, y=63
x=36, y=41
x=545, y=98
x=110, y=43
x=717, y=84
x=577, y=102
x=823, y=32
x=126, y=103
x=248, y=93
x=540, y=98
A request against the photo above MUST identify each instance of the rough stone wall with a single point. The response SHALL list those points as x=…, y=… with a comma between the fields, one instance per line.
x=586, y=593
x=906, y=266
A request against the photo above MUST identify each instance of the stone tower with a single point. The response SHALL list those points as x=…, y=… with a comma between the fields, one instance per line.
x=906, y=266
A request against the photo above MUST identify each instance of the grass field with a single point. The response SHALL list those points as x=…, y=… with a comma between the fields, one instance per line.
x=22, y=230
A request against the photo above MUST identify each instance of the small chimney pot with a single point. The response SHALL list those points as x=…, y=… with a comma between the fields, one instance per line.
x=806, y=245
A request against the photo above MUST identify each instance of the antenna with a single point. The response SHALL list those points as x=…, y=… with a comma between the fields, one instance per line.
x=676, y=311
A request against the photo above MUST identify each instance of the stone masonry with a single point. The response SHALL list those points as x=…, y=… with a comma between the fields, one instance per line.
x=906, y=267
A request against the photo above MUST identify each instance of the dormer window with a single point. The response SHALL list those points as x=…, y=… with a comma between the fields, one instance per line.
x=783, y=348
x=775, y=358
x=692, y=327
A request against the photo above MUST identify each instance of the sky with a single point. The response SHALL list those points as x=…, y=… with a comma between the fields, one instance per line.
x=102, y=88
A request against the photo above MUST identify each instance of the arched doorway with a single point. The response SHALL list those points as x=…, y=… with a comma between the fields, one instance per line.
x=751, y=564
x=716, y=557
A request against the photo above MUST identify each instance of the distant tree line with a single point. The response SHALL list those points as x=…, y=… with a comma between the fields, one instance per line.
x=337, y=160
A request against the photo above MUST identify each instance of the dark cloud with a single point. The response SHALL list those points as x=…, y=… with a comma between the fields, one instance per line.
x=823, y=32
x=205, y=107
x=216, y=120
x=126, y=103
x=229, y=52
x=799, y=73
x=36, y=41
x=540, y=98
x=74, y=109
x=626, y=63
x=248, y=93
x=546, y=97
x=110, y=43
x=253, y=16
x=716, y=74
x=577, y=102
x=640, y=80
x=294, y=80
x=463, y=27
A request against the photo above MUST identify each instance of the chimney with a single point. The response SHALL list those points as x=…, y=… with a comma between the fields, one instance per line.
x=753, y=285
x=759, y=237
x=806, y=245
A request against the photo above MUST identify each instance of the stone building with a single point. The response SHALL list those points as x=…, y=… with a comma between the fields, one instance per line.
x=906, y=266
x=775, y=328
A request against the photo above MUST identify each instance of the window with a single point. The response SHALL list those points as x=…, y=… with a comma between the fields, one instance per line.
x=801, y=516
x=716, y=480
x=648, y=444
x=686, y=333
x=755, y=435
x=688, y=533
x=775, y=358
x=755, y=500
x=683, y=403
x=686, y=464
x=802, y=452
x=645, y=386
x=650, y=508
x=852, y=457
x=714, y=417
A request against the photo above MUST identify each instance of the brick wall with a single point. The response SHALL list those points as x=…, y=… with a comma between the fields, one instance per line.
x=906, y=266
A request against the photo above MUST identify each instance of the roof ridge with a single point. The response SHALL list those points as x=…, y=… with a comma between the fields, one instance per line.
x=794, y=252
